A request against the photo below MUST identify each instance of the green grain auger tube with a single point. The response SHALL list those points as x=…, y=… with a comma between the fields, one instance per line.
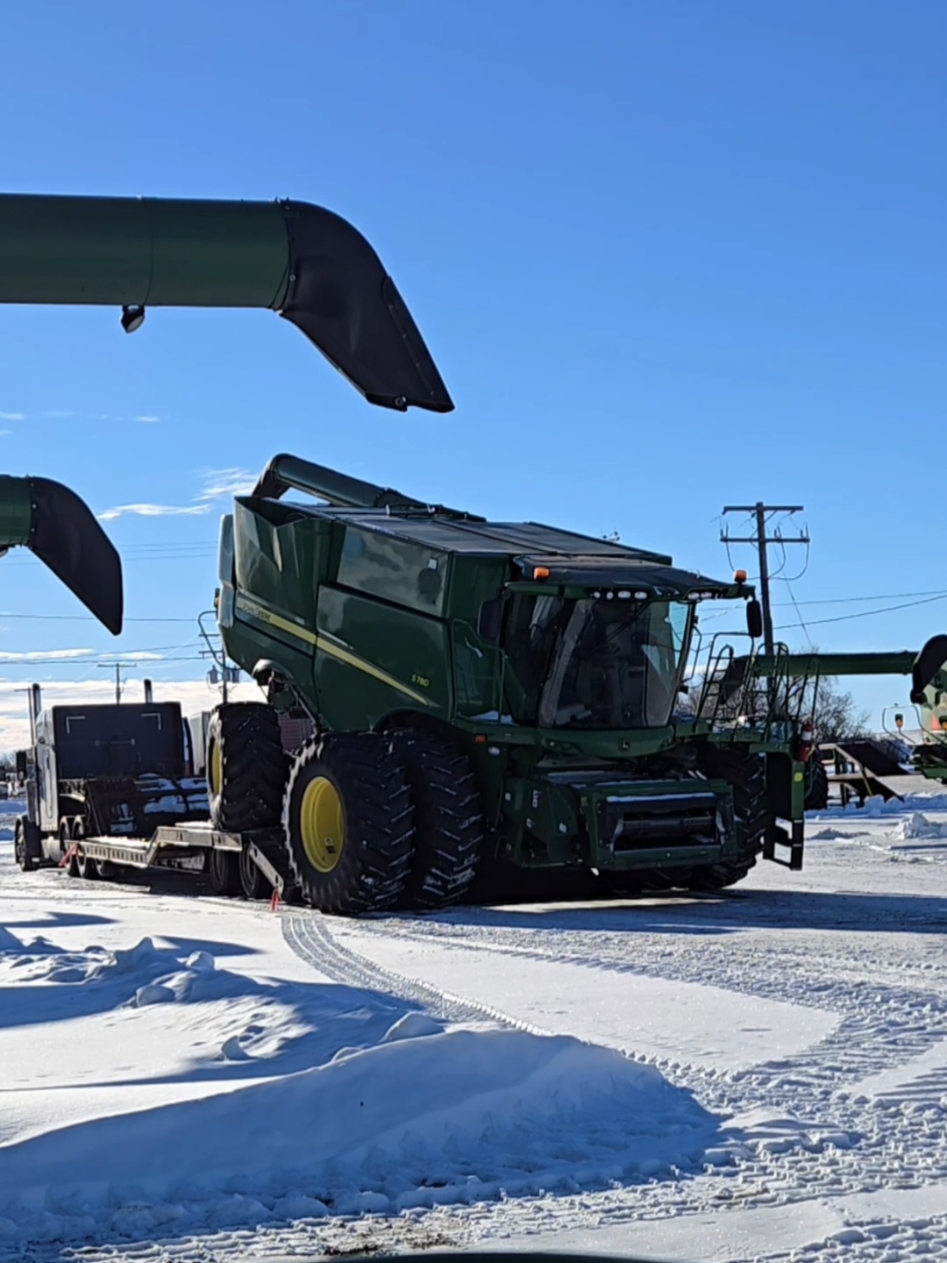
x=51, y=521
x=476, y=702
x=302, y=261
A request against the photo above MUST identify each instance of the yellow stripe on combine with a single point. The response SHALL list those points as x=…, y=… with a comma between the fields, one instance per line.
x=327, y=645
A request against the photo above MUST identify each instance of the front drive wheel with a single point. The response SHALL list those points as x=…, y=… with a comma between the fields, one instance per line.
x=746, y=775
x=348, y=823
x=448, y=819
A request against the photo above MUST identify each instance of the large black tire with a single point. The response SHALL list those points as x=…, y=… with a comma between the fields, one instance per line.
x=817, y=784
x=348, y=823
x=223, y=869
x=22, y=850
x=448, y=819
x=746, y=775
x=246, y=767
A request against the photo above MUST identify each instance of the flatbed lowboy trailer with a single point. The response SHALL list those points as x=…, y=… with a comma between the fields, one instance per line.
x=194, y=847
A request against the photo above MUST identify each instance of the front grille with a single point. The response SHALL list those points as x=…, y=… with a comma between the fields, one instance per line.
x=629, y=822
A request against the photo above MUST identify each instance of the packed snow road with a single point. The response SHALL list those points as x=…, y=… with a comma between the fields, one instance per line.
x=751, y=1076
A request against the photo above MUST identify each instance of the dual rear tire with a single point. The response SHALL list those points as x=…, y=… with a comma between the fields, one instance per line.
x=369, y=821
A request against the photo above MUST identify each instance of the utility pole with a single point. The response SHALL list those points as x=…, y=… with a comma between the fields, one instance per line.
x=119, y=667
x=762, y=513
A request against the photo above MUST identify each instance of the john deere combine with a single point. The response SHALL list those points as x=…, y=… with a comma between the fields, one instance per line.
x=479, y=695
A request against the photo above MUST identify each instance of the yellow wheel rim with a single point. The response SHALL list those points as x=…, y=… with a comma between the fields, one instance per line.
x=322, y=824
x=216, y=768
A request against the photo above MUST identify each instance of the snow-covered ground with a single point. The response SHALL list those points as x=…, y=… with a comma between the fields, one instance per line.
x=757, y=1075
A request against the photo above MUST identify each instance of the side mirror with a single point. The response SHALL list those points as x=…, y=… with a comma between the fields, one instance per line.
x=754, y=619
x=21, y=764
x=490, y=619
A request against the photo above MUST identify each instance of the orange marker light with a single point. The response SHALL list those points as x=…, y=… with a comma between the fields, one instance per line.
x=480, y=739
x=739, y=576
x=540, y=572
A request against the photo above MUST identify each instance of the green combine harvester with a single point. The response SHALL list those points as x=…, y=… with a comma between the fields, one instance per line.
x=483, y=698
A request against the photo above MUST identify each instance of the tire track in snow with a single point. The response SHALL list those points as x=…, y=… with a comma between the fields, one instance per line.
x=309, y=936
x=827, y=1137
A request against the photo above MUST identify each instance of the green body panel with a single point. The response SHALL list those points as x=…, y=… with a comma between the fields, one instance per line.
x=138, y=251
x=376, y=661
x=16, y=511
x=372, y=607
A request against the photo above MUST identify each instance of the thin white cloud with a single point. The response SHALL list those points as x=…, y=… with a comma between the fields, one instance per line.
x=12, y=416
x=6, y=431
x=148, y=420
x=59, y=413
x=227, y=482
x=140, y=655
x=61, y=655
x=153, y=510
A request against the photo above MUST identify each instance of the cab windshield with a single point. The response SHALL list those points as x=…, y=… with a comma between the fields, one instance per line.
x=595, y=663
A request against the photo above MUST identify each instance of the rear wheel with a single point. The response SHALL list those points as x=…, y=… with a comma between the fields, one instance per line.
x=448, y=819
x=223, y=869
x=246, y=767
x=746, y=775
x=22, y=850
x=348, y=823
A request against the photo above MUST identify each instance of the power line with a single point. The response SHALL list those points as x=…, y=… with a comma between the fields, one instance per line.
x=886, y=609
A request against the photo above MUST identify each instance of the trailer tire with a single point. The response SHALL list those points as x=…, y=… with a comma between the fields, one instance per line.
x=86, y=866
x=223, y=870
x=22, y=850
x=746, y=775
x=348, y=823
x=252, y=881
x=817, y=784
x=246, y=767
x=448, y=819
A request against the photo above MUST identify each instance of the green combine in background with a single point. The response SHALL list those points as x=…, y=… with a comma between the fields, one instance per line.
x=51, y=521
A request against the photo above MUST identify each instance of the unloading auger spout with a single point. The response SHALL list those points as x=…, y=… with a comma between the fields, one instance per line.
x=60, y=529
x=300, y=260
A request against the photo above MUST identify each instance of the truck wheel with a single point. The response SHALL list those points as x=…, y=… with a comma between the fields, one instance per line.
x=252, y=882
x=65, y=842
x=21, y=848
x=817, y=784
x=223, y=869
x=87, y=867
x=448, y=819
x=246, y=767
x=348, y=823
x=746, y=775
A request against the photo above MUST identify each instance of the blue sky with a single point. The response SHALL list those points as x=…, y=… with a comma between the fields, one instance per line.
x=667, y=256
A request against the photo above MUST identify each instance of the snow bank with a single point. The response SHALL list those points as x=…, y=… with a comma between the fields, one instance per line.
x=456, y=1116
x=917, y=825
